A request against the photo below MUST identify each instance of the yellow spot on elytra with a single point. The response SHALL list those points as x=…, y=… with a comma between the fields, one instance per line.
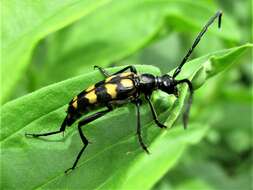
x=111, y=89
x=125, y=74
x=126, y=83
x=74, y=104
x=90, y=88
x=91, y=96
x=74, y=99
x=109, y=78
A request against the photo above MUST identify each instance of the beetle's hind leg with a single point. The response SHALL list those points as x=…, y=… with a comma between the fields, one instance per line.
x=83, y=138
x=62, y=129
x=102, y=70
x=144, y=147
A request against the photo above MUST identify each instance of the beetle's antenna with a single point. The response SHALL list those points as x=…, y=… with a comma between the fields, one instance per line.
x=198, y=38
x=189, y=102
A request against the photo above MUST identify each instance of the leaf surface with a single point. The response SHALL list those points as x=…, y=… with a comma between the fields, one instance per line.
x=101, y=32
x=25, y=23
x=114, y=159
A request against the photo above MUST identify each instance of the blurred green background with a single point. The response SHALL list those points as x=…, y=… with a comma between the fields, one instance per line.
x=45, y=42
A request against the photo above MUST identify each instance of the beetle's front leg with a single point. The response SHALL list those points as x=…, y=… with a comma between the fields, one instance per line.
x=158, y=123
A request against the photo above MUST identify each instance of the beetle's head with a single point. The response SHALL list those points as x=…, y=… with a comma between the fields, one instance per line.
x=168, y=85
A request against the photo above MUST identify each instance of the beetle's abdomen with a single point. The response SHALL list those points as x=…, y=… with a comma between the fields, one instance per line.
x=116, y=87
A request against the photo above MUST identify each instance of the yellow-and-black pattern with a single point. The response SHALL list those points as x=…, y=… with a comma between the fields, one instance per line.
x=113, y=88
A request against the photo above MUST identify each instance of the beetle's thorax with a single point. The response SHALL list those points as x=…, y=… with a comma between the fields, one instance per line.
x=147, y=83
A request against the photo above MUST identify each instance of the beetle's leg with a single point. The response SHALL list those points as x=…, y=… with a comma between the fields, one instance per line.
x=102, y=70
x=83, y=138
x=132, y=69
x=62, y=129
x=158, y=123
x=138, y=103
x=189, y=102
x=106, y=74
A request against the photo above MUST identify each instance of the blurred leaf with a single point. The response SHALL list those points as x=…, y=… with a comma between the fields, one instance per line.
x=76, y=53
x=157, y=53
x=25, y=23
x=208, y=174
x=194, y=184
x=105, y=35
x=238, y=139
x=114, y=156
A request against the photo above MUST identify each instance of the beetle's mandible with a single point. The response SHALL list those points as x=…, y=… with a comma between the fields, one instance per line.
x=122, y=87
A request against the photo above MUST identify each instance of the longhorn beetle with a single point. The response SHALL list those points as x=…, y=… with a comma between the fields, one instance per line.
x=122, y=87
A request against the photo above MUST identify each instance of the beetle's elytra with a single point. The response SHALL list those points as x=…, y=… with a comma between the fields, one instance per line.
x=122, y=87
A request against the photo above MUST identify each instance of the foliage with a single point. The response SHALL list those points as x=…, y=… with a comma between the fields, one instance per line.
x=45, y=42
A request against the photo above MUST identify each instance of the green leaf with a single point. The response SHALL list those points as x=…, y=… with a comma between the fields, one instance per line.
x=143, y=171
x=194, y=184
x=25, y=23
x=114, y=159
x=218, y=62
x=116, y=43
x=108, y=31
